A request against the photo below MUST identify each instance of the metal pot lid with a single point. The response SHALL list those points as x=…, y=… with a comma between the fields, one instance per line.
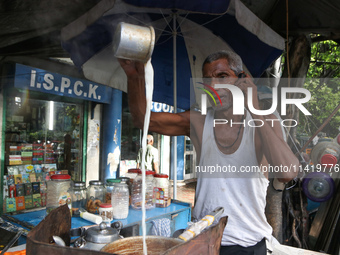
x=95, y=183
x=79, y=184
x=101, y=234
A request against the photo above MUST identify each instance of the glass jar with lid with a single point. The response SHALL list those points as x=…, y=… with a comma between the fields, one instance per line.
x=120, y=200
x=132, y=174
x=106, y=212
x=59, y=192
x=109, y=188
x=162, y=190
x=78, y=198
x=136, y=196
x=125, y=180
x=128, y=181
x=95, y=194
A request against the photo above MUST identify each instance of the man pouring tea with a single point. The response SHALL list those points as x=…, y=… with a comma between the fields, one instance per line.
x=242, y=194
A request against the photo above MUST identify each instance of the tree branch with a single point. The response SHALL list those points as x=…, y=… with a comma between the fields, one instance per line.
x=325, y=62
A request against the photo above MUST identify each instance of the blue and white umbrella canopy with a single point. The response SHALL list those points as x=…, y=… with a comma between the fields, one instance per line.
x=201, y=27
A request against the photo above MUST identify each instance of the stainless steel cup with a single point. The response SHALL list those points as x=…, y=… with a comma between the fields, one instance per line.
x=133, y=42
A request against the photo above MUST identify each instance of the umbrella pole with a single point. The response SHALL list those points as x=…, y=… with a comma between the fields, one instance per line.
x=174, y=31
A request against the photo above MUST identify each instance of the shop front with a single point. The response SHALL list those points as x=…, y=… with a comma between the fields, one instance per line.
x=45, y=130
x=54, y=123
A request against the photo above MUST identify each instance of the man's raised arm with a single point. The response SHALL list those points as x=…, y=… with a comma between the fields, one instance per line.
x=269, y=138
x=160, y=122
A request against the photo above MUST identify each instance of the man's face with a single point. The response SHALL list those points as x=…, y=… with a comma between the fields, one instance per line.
x=219, y=72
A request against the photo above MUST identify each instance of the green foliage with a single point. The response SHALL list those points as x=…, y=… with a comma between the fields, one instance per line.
x=325, y=60
x=46, y=135
x=324, y=85
x=69, y=114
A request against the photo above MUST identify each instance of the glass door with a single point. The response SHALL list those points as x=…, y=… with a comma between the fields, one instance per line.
x=189, y=160
x=43, y=137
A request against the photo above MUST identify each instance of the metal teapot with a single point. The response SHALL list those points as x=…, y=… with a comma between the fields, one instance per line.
x=94, y=238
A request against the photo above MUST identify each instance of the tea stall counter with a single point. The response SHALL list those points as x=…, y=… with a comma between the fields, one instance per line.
x=179, y=214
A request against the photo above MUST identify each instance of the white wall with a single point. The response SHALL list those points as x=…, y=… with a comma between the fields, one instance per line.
x=165, y=154
x=93, y=144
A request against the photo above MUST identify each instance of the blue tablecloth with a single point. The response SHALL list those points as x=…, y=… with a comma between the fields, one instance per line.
x=35, y=217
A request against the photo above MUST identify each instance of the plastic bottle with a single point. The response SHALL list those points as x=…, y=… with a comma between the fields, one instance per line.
x=59, y=192
x=136, y=195
x=120, y=200
x=162, y=190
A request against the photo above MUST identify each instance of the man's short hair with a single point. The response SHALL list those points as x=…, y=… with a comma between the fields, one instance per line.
x=235, y=61
x=149, y=138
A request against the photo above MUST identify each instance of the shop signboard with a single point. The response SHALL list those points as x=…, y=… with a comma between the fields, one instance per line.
x=32, y=78
x=161, y=107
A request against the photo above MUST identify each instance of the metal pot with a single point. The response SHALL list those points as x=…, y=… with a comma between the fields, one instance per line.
x=133, y=42
x=95, y=238
x=134, y=245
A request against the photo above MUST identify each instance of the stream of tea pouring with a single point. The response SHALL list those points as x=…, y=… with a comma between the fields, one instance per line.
x=149, y=79
x=136, y=43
